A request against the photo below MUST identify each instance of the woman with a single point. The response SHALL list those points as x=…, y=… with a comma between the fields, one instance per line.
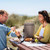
x=43, y=33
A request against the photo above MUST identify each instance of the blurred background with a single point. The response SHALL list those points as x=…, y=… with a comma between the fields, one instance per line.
x=23, y=11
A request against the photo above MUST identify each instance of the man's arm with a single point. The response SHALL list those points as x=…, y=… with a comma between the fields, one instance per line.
x=13, y=34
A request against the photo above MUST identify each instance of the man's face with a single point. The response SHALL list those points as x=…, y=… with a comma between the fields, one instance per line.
x=4, y=18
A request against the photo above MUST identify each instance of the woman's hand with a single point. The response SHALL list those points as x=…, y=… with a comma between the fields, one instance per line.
x=39, y=37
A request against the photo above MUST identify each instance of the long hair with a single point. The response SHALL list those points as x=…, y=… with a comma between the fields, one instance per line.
x=45, y=15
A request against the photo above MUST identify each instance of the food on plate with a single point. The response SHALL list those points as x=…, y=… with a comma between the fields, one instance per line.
x=28, y=39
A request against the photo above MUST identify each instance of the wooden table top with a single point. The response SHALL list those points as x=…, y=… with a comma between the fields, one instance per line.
x=24, y=47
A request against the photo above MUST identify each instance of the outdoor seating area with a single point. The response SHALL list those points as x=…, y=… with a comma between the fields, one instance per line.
x=24, y=25
x=27, y=42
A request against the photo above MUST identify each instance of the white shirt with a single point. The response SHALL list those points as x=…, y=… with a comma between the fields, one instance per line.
x=41, y=32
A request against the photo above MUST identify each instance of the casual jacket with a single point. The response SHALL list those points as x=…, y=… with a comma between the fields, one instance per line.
x=46, y=33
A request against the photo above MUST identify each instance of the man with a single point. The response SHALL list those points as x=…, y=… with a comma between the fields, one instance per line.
x=4, y=30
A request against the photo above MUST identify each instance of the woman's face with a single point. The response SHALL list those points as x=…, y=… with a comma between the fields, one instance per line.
x=41, y=18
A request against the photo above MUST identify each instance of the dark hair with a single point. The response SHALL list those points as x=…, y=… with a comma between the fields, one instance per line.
x=2, y=12
x=45, y=15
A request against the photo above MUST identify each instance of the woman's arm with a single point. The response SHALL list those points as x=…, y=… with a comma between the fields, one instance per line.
x=37, y=34
x=46, y=35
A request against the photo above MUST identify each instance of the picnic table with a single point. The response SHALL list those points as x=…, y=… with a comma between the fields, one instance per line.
x=24, y=47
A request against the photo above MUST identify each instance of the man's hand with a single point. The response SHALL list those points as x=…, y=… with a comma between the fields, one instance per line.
x=18, y=34
x=13, y=28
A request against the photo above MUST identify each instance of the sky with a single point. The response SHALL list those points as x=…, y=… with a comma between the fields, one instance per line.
x=25, y=7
